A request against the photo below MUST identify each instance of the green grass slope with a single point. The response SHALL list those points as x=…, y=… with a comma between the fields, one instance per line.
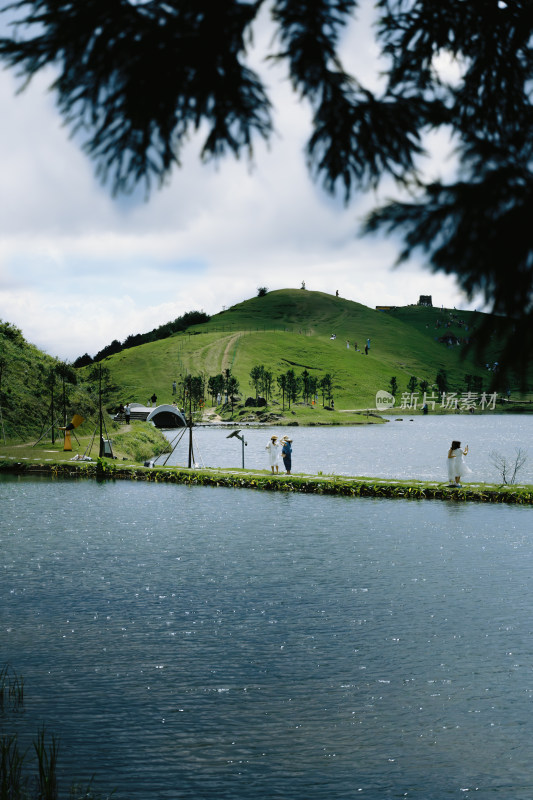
x=22, y=371
x=292, y=328
x=25, y=398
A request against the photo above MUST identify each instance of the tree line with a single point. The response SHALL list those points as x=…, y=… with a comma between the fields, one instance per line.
x=474, y=383
x=134, y=340
x=191, y=389
x=290, y=385
x=224, y=388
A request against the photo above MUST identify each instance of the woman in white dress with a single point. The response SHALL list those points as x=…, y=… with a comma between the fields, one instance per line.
x=273, y=453
x=456, y=463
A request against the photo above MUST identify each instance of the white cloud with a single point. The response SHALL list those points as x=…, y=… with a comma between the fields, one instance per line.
x=79, y=269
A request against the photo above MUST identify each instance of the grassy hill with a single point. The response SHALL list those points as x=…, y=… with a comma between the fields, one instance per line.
x=289, y=328
x=25, y=390
x=22, y=369
x=293, y=328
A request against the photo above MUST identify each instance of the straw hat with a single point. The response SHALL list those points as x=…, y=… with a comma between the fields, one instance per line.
x=273, y=438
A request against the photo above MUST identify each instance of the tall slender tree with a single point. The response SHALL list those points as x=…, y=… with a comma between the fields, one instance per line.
x=325, y=385
x=215, y=385
x=292, y=386
x=282, y=384
x=256, y=378
x=232, y=388
x=266, y=384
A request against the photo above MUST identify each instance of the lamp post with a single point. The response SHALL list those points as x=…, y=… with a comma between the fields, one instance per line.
x=244, y=444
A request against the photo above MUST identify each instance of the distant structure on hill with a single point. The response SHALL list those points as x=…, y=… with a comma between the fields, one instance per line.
x=424, y=300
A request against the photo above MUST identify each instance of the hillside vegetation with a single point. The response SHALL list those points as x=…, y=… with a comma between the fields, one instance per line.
x=31, y=382
x=22, y=370
x=285, y=329
x=292, y=328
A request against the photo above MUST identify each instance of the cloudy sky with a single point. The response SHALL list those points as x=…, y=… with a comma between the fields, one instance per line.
x=79, y=268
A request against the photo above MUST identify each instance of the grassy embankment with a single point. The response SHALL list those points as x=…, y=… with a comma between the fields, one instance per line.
x=106, y=469
x=137, y=442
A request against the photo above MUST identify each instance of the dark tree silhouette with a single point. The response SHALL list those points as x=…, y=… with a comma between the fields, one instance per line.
x=442, y=381
x=82, y=361
x=215, y=384
x=325, y=384
x=194, y=390
x=256, y=375
x=282, y=383
x=136, y=77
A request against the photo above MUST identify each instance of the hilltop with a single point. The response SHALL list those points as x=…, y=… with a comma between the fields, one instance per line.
x=293, y=329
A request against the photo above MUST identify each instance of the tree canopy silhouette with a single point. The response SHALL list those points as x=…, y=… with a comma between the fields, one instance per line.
x=136, y=77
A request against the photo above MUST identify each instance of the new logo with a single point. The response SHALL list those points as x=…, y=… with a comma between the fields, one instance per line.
x=384, y=400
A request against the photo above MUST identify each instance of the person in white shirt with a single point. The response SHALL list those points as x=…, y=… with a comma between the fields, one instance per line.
x=273, y=453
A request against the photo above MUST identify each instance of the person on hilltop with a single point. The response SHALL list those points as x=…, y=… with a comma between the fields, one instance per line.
x=273, y=453
x=286, y=453
x=456, y=463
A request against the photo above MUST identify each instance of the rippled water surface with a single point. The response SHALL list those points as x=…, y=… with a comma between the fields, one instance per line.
x=405, y=447
x=201, y=643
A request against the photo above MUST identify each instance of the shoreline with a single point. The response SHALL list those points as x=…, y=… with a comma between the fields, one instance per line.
x=104, y=469
x=344, y=416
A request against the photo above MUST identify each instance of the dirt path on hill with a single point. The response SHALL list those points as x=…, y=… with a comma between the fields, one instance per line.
x=227, y=356
x=214, y=357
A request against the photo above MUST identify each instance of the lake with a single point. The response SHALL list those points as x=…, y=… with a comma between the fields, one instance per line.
x=198, y=643
x=403, y=448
